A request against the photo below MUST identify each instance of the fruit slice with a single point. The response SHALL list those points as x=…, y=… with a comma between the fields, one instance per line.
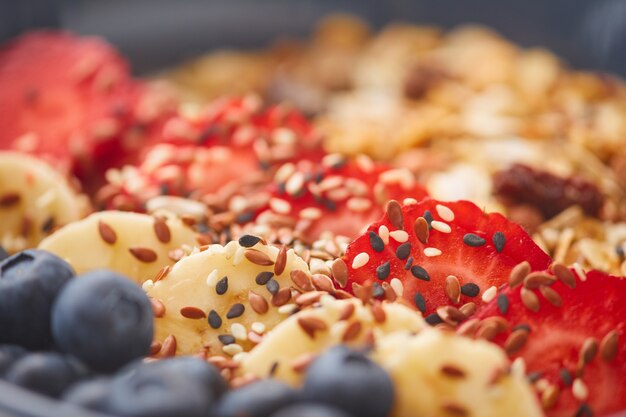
x=293, y=344
x=135, y=245
x=232, y=141
x=441, y=374
x=338, y=195
x=438, y=254
x=35, y=199
x=224, y=298
x=571, y=334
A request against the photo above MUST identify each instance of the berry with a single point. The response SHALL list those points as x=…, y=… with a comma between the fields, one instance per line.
x=445, y=254
x=310, y=410
x=29, y=283
x=8, y=355
x=570, y=334
x=92, y=393
x=104, y=319
x=258, y=399
x=152, y=390
x=350, y=381
x=47, y=373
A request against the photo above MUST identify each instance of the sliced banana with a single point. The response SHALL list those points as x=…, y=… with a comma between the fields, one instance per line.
x=438, y=373
x=286, y=350
x=221, y=300
x=136, y=245
x=34, y=200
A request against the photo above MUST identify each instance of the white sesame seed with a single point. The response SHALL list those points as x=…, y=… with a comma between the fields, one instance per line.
x=231, y=248
x=399, y=236
x=518, y=367
x=258, y=327
x=409, y=201
x=311, y=213
x=238, y=204
x=579, y=389
x=239, y=255
x=360, y=260
x=284, y=172
x=490, y=294
x=280, y=206
x=431, y=252
x=212, y=278
x=295, y=183
x=542, y=384
x=232, y=349
x=46, y=200
x=444, y=212
x=284, y=136
x=332, y=159
x=240, y=357
x=364, y=162
x=238, y=331
x=147, y=285
x=359, y=204
x=330, y=182
x=579, y=271
x=383, y=232
x=286, y=309
x=397, y=286
x=441, y=226
x=338, y=194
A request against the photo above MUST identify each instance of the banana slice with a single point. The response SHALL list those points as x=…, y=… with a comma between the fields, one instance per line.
x=34, y=200
x=287, y=350
x=438, y=373
x=224, y=298
x=133, y=244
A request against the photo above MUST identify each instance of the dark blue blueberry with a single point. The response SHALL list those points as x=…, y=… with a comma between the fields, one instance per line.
x=350, y=381
x=104, y=319
x=48, y=373
x=153, y=390
x=310, y=410
x=29, y=283
x=258, y=399
x=8, y=355
x=91, y=393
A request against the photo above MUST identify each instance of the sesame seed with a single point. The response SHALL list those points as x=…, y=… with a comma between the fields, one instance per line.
x=311, y=213
x=566, y=377
x=445, y=212
x=403, y=251
x=236, y=310
x=579, y=389
x=226, y=339
x=420, y=302
x=263, y=277
x=420, y=273
x=609, y=345
x=530, y=300
x=489, y=294
x=431, y=252
x=193, y=313
x=143, y=254
x=420, y=227
x=360, y=260
x=584, y=411
x=533, y=376
x=284, y=172
x=399, y=236
x=377, y=290
x=294, y=184
x=409, y=201
x=280, y=206
x=473, y=240
x=441, y=226
x=518, y=367
x=215, y=321
x=248, y=241
x=394, y=213
x=232, y=349
x=383, y=232
x=376, y=242
x=383, y=270
x=239, y=331
x=222, y=286
x=503, y=303
x=397, y=286
x=358, y=204
x=211, y=279
x=428, y=217
x=498, y=240
x=433, y=319
x=518, y=273
x=579, y=271
x=452, y=289
x=470, y=289
x=258, y=327
x=107, y=233
x=272, y=286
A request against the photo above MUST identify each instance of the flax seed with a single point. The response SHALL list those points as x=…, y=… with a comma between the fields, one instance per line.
x=143, y=254
x=518, y=273
x=453, y=289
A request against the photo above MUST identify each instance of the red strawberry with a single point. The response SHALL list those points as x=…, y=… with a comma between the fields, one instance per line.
x=338, y=195
x=571, y=334
x=465, y=252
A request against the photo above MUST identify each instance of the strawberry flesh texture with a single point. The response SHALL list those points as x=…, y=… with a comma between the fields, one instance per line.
x=591, y=310
x=482, y=265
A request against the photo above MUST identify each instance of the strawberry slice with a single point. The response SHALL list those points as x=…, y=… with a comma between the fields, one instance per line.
x=571, y=334
x=439, y=255
x=338, y=195
x=233, y=141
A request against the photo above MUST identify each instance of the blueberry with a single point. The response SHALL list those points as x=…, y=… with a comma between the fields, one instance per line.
x=92, y=393
x=258, y=399
x=151, y=390
x=29, y=283
x=104, y=319
x=8, y=355
x=47, y=373
x=310, y=410
x=350, y=381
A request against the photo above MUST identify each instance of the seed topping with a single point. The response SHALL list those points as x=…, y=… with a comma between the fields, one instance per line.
x=236, y=310
x=162, y=230
x=193, y=313
x=215, y=321
x=311, y=325
x=376, y=242
x=498, y=240
x=518, y=273
x=453, y=289
x=107, y=233
x=420, y=227
x=257, y=257
x=248, y=241
x=143, y=254
x=470, y=289
x=473, y=240
x=394, y=213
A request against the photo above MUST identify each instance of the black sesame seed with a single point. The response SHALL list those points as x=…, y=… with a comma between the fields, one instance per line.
x=404, y=250
x=433, y=319
x=48, y=225
x=329, y=204
x=264, y=277
x=409, y=263
x=498, y=241
x=377, y=243
x=226, y=339
x=378, y=290
x=503, y=303
x=273, y=369
x=521, y=326
x=584, y=411
x=222, y=286
x=619, y=250
x=470, y=289
x=215, y=321
x=428, y=216
x=272, y=286
x=281, y=188
x=473, y=240
x=244, y=217
x=420, y=302
x=533, y=376
x=248, y=241
x=383, y=270
x=566, y=377
x=420, y=273
x=235, y=311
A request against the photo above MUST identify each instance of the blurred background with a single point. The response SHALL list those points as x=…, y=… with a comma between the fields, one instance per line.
x=160, y=33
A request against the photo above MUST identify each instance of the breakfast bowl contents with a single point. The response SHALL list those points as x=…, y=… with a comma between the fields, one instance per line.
x=363, y=225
